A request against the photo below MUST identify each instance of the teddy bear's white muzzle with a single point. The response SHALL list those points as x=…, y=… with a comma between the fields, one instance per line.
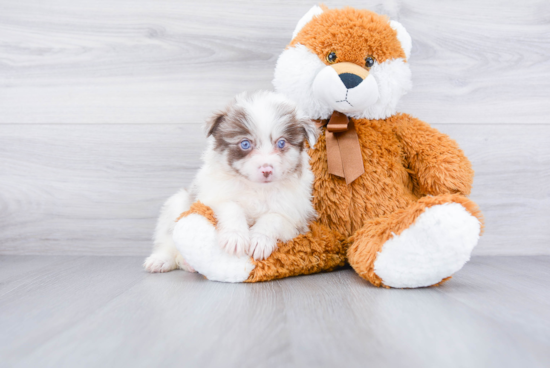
x=346, y=92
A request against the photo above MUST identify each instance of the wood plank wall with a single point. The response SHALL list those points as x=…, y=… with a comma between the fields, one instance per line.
x=101, y=106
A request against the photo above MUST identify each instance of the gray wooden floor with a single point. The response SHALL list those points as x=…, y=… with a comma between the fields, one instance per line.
x=104, y=311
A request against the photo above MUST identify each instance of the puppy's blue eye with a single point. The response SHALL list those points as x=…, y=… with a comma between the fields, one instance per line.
x=245, y=144
x=281, y=143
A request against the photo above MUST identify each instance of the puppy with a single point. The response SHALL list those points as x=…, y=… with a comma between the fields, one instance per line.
x=256, y=178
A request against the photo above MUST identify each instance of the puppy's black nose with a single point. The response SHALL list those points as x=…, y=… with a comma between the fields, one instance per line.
x=350, y=80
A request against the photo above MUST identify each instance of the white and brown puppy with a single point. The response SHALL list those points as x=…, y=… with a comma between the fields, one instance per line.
x=256, y=178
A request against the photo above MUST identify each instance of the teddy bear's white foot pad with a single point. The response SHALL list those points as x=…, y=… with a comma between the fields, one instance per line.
x=436, y=246
x=196, y=240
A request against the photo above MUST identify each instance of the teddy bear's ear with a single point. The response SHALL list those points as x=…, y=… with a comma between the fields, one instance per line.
x=316, y=10
x=403, y=37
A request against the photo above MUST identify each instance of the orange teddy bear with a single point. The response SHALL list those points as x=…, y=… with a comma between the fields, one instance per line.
x=389, y=190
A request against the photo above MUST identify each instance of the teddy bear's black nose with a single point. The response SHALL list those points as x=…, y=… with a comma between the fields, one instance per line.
x=350, y=80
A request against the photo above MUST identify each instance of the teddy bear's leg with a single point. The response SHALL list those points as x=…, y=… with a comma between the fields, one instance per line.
x=319, y=250
x=196, y=239
x=421, y=245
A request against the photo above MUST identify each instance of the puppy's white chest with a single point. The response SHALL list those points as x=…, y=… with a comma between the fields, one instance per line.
x=254, y=205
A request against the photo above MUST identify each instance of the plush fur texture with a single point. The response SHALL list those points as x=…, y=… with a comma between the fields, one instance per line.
x=369, y=241
x=409, y=166
x=319, y=250
x=315, y=10
x=406, y=222
x=353, y=35
x=404, y=159
x=198, y=243
x=430, y=249
x=256, y=178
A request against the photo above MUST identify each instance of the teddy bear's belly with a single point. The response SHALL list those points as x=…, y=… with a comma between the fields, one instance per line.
x=346, y=208
x=384, y=187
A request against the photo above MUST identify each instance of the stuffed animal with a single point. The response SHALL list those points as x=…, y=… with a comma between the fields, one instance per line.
x=389, y=190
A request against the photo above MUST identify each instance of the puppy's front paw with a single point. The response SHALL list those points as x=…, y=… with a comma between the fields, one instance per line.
x=159, y=262
x=234, y=241
x=261, y=245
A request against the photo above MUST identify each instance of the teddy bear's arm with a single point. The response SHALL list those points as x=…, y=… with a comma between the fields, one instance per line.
x=436, y=163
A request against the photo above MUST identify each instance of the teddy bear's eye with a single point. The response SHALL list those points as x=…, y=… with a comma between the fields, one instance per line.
x=331, y=57
x=369, y=61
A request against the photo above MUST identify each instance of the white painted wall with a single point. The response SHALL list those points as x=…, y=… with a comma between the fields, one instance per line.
x=101, y=104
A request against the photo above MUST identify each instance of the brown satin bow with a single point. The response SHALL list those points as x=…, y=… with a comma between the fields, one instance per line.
x=343, y=149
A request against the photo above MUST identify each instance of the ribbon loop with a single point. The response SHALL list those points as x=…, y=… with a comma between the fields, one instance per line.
x=338, y=122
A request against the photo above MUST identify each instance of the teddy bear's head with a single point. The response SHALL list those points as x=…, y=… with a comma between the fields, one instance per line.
x=346, y=60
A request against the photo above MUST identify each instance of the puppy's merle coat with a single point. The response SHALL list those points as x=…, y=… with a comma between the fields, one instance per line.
x=255, y=177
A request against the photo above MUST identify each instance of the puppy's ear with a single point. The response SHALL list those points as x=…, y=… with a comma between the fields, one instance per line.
x=214, y=123
x=311, y=130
